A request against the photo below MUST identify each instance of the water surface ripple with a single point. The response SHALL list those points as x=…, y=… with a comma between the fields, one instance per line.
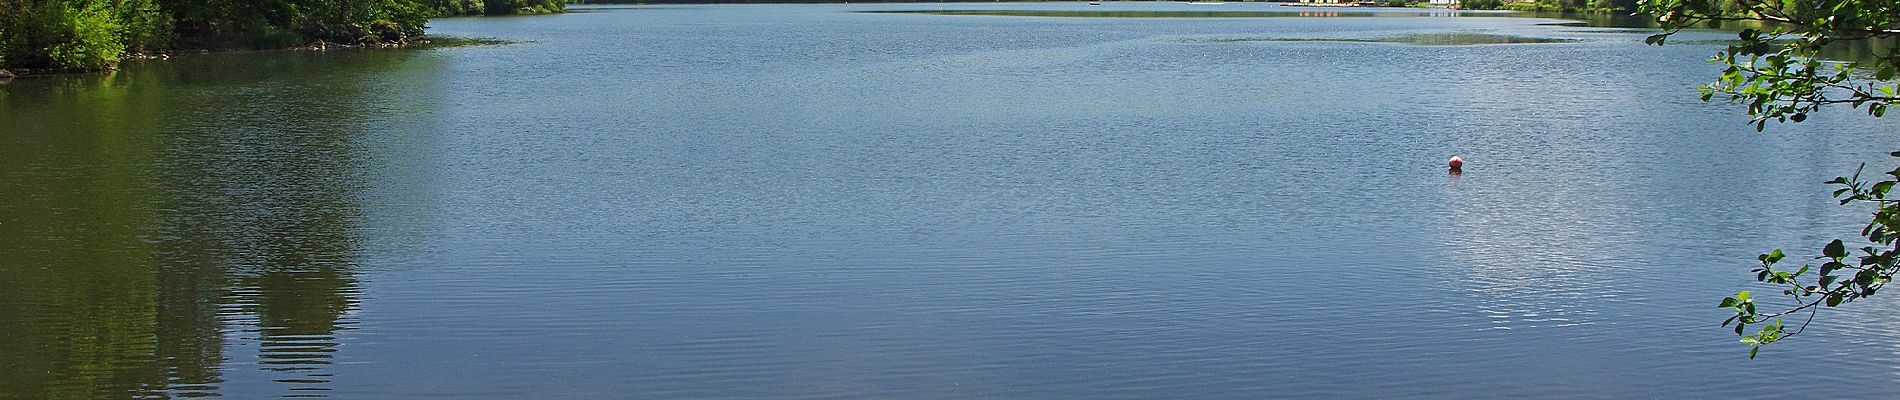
x=779, y=201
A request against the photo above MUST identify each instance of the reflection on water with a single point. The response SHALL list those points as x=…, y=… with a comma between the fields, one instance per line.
x=161, y=236
x=809, y=202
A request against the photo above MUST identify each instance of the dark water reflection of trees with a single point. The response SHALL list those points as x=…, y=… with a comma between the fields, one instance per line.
x=148, y=221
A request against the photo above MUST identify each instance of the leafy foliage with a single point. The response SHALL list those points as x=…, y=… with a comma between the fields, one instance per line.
x=241, y=23
x=1481, y=4
x=92, y=36
x=526, y=6
x=1777, y=70
x=459, y=7
x=70, y=34
x=497, y=7
x=95, y=34
x=1843, y=275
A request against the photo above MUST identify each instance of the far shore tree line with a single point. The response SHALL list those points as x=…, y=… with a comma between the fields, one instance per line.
x=78, y=35
x=1624, y=6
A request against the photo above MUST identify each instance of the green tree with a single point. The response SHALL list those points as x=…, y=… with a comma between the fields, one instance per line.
x=459, y=7
x=1778, y=71
x=95, y=34
x=76, y=34
x=496, y=7
x=1481, y=4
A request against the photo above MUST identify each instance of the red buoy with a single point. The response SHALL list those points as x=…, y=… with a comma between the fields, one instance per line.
x=1457, y=163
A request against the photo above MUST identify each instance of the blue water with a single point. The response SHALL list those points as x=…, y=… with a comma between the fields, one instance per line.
x=802, y=201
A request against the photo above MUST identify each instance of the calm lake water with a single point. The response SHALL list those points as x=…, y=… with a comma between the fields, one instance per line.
x=805, y=201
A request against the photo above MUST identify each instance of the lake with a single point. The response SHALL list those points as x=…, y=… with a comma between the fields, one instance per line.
x=809, y=201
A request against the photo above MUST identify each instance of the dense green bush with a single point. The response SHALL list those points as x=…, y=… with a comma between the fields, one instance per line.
x=95, y=34
x=146, y=27
x=250, y=23
x=87, y=36
x=526, y=6
x=1480, y=4
x=72, y=34
x=459, y=7
x=496, y=7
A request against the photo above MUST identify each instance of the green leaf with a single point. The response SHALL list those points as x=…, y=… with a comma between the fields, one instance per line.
x=1728, y=302
x=1835, y=249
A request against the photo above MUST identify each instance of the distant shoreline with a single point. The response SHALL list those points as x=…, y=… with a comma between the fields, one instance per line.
x=679, y=2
